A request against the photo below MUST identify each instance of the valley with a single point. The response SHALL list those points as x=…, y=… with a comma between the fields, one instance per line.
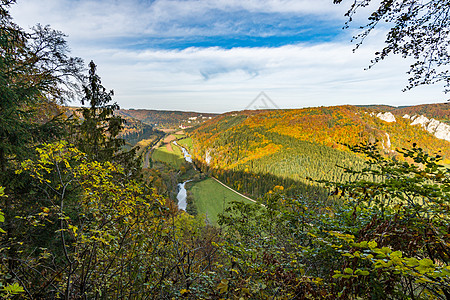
x=198, y=193
x=253, y=152
x=303, y=198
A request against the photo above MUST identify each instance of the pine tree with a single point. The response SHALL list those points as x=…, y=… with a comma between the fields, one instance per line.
x=99, y=128
x=35, y=72
x=98, y=133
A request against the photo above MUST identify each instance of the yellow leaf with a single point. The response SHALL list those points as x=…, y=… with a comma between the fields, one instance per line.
x=184, y=291
x=223, y=286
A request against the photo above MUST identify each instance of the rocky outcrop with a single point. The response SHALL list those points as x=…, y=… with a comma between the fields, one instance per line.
x=388, y=141
x=208, y=157
x=438, y=129
x=387, y=117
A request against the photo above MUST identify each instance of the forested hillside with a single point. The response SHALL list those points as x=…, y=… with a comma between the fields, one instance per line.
x=166, y=119
x=438, y=111
x=306, y=143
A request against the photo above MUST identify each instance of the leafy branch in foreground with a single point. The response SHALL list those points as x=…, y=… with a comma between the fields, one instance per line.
x=417, y=29
x=402, y=244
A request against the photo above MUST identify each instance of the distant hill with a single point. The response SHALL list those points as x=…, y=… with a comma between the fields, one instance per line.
x=133, y=131
x=438, y=111
x=166, y=118
x=308, y=142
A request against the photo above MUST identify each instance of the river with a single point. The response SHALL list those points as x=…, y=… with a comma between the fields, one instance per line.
x=186, y=154
x=182, y=195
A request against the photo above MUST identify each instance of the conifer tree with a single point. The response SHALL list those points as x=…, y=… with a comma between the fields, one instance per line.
x=99, y=129
x=98, y=133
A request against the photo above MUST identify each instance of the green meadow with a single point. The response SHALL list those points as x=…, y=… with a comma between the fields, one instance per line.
x=186, y=143
x=173, y=158
x=211, y=198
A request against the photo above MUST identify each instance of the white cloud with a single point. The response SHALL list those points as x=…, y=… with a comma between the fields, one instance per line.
x=215, y=79
x=293, y=76
x=89, y=19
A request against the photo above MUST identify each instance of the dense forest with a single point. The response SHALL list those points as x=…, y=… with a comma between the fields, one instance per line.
x=165, y=119
x=303, y=145
x=438, y=111
x=80, y=218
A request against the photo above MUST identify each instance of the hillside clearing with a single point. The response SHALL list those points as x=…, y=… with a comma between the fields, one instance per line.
x=173, y=158
x=211, y=198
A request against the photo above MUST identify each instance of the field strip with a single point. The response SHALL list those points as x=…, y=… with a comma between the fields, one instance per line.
x=235, y=191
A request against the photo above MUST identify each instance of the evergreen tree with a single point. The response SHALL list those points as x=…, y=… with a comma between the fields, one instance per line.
x=99, y=129
x=97, y=134
x=35, y=71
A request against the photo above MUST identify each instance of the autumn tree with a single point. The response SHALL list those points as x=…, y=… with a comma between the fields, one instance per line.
x=36, y=72
x=417, y=29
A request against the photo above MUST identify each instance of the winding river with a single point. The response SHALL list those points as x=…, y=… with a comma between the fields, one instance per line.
x=186, y=154
x=182, y=194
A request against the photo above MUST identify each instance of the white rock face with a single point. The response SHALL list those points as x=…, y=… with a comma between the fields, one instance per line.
x=207, y=157
x=388, y=141
x=406, y=116
x=443, y=132
x=439, y=129
x=433, y=125
x=387, y=117
x=422, y=120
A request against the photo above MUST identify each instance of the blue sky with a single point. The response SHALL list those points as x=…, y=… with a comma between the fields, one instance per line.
x=216, y=56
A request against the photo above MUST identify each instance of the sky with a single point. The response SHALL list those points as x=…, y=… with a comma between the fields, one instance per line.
x=219, y=55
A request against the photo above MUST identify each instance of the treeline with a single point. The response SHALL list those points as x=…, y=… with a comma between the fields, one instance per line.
x=165, y=119
x=303, y=144
x=144, y=133
x=438, y=111
x=257, y=185
x=328, y=126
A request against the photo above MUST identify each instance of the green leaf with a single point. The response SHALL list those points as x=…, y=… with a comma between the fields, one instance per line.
x=412, y=262
x=372, y=244
x=362, y=272
x=14, y=289
x=426, y=262
x=396, y=254
x=386, y=250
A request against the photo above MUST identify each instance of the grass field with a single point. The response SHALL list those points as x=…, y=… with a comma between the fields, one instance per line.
x=174, y=158
x=186, y=143
x=211, y=198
